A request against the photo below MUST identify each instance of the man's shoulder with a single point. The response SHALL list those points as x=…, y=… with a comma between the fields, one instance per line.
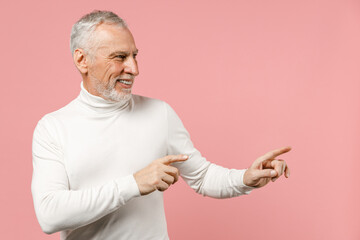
x=153, y=106
x=63, y=112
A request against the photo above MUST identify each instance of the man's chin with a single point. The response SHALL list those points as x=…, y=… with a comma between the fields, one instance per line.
x=120, y=96
x=123, y=93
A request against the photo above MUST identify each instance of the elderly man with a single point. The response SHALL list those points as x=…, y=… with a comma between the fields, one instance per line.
x=102, y=162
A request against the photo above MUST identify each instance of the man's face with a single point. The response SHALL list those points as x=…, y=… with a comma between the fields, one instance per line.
x=113, y=67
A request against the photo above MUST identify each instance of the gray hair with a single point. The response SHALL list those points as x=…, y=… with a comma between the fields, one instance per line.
x=82, y=31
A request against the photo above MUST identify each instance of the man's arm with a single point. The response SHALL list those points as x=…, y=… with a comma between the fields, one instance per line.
x=57, y=207
x=211, y=180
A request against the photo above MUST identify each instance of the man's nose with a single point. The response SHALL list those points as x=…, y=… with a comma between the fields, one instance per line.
x=131, y=66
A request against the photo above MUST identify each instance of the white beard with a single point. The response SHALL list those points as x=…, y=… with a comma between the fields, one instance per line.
x=113, y=95
x=109, y=92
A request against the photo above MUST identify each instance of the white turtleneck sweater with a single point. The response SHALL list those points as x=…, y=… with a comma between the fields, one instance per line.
x=84, y=158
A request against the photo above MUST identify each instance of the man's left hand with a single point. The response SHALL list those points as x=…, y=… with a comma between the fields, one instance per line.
x=266, y=168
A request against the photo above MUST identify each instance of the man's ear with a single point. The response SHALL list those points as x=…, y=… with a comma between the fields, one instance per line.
x=81, y=61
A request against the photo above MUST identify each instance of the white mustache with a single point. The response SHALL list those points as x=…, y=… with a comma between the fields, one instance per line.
x=125, y=77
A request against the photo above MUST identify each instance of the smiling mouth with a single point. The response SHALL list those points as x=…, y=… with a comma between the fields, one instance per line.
x=127, y=82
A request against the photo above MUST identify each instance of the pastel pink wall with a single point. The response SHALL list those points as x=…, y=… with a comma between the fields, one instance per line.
x=246, y=77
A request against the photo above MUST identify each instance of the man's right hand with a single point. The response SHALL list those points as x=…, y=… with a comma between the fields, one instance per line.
x=158, y=175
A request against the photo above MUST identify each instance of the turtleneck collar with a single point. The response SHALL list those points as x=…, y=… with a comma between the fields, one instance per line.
x=98, y=104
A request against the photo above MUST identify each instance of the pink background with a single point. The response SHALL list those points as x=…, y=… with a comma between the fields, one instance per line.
x=245, y=77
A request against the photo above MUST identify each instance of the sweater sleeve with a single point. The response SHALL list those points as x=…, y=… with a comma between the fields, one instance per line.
x=57, y=207
x=204, y=177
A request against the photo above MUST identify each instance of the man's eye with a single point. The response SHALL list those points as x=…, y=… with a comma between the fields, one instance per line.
x=134, y=56
x=122, y=57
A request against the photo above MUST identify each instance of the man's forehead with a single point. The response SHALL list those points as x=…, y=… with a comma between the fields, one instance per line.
x=114, y=38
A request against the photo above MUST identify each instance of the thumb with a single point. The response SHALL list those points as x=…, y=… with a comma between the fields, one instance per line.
x=266, y=173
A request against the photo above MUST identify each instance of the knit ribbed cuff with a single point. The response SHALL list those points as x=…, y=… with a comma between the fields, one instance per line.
x=127, y=188
x=240, y=186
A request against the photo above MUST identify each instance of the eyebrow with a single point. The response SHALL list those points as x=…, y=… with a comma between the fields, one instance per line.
x=123, y=52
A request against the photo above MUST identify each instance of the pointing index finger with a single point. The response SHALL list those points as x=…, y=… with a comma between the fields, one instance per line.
x=174, y=158
x=274, y=153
